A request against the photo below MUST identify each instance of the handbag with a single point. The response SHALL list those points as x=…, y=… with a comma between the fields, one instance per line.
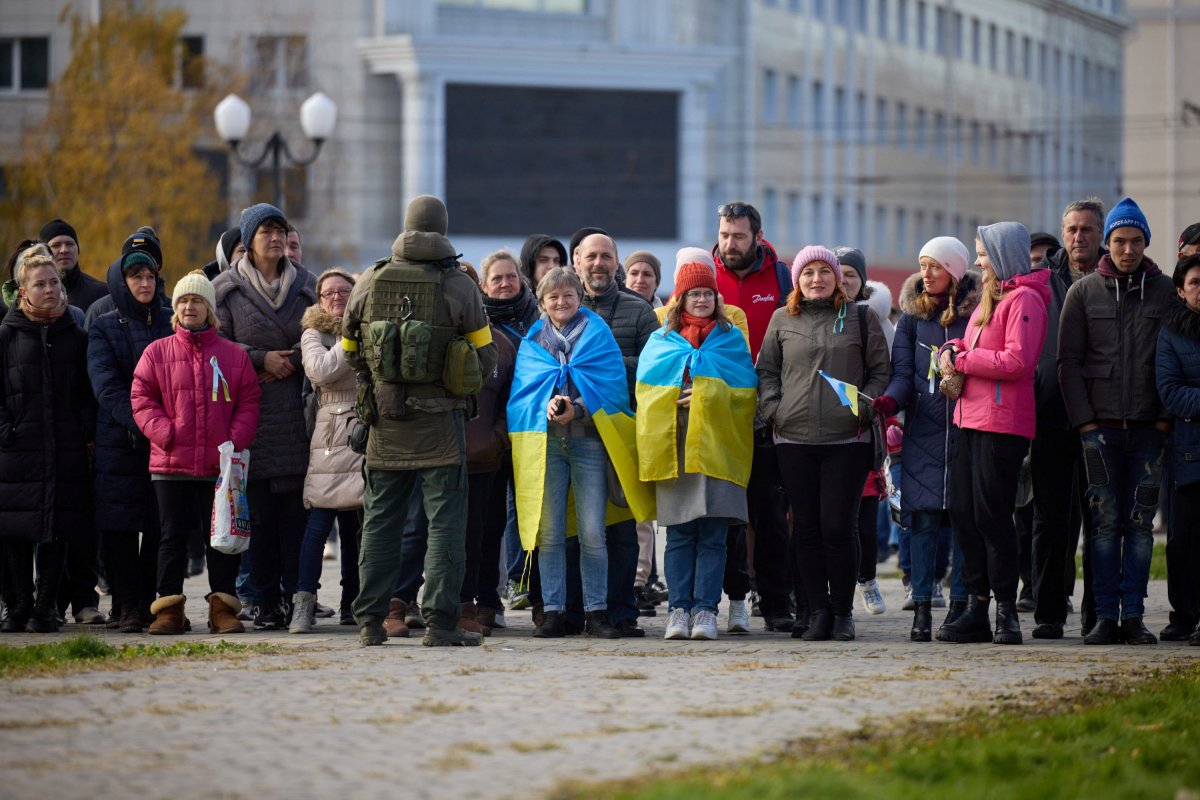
x=952, y=386
x=229, y=531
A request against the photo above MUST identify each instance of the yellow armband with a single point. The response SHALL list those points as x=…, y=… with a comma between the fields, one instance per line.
x=481, y=337
x=349, y=345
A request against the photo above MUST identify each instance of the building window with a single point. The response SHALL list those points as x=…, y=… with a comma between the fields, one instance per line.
x=956, y=31
x=839, y=221
x=794, y=6
x=976, y=41
x=902, y=21
x=1026, y=58
x=881, y=19
x=919, y=230
x=793, y=216
x=880, y=228
x=770, y=210
x=939, y=134
x=818, y=107
x=1010, y=52
x=991, y=147
x=901, y=238
x=858, y=125
x=922, y=25
x=191, y=62
x=901, y=126
x=818, y=226
x=818, y=9
x=993, y=47
x=862, y=19
x=940, y=29
x=24, y=63
x=1043, y=63
x=939, y=224
x=881, y=121
x=840, y=126
x=919, y=131
x=770, y=98
x=794, y=101
x=542, y=6
x=958, y=135
x=281, y=62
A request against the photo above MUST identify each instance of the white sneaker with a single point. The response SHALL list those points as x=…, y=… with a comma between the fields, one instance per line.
x=909, y=603
x=500, y=623
x=937, y=600
x=704, y=624
x=330, y=552
x=872, y=598
x=677, y=624
x=739, y=617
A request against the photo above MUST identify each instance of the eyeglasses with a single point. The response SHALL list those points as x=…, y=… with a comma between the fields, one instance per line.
x=332, y=293
x=733, y=210
x=700, y=294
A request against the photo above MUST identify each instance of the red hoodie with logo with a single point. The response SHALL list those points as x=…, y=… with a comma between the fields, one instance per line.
x=759, y=293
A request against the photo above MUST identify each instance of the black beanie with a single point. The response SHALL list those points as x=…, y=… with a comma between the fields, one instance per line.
x=229, y=241
x=57, y=227
x=577, y=237
x=144, y=240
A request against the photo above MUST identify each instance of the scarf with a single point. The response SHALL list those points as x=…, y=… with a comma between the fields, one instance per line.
x=40, y=316
x=696, y=329
x=559, y=343
x=512, y=312
x=274, y=292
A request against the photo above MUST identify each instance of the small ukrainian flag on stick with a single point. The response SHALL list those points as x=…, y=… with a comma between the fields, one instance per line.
x=846, y=392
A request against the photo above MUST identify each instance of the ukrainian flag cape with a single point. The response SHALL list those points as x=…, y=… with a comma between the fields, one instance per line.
x=598, y=373
x=720, y=434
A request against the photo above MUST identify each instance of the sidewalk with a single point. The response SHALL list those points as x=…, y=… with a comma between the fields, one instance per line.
x=511, y=719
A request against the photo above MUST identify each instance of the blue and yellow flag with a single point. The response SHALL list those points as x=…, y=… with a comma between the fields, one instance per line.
x=846, y=392
x=598, y=373
x=720, y=434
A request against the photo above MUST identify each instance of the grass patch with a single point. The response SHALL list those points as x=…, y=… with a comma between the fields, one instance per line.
x=86, y=650
x=1135, y=741
x=1158, y=562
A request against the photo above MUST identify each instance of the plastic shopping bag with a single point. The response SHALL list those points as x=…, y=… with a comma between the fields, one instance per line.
x=230, y=530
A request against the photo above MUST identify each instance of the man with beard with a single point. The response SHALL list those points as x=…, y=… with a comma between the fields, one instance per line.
x=750, y=276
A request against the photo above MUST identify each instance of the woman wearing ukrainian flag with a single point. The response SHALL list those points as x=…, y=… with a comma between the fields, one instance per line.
x=822, y=361
x=696, y=369
x=569, y=418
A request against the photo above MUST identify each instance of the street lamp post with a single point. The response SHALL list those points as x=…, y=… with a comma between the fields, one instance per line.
x=318, y=116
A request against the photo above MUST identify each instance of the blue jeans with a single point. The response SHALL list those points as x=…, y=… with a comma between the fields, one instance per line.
x=312, y=550
x=1124, y=473
x=694, y=563
x=514, y=555
x=929, y=549
x=578, y=465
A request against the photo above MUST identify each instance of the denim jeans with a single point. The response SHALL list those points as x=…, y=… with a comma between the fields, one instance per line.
x=312, y=550
x=925, y=542
x=514, y=555
x=1124, y=473
x=576, y=464
x=694, y=563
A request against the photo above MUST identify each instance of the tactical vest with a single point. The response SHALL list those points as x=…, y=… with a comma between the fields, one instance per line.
x=406, y=333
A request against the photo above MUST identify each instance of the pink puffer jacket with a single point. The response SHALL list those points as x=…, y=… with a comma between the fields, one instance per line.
x=1000, y=359
x=173, y=401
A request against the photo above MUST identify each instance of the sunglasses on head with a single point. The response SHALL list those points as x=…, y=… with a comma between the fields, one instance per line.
x=733, y=210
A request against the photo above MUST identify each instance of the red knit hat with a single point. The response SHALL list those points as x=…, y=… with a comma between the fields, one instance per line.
x=694, y=275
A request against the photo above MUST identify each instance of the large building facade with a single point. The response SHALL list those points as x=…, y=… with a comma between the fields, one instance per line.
x=877, y=123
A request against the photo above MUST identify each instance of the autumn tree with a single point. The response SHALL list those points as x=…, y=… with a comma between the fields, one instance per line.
x=115, y=149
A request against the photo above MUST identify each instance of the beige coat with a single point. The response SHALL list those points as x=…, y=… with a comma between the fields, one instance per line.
x=334, y=479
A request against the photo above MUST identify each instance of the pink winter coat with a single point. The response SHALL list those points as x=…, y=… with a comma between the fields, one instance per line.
x=173, y=401
x=1000, y=359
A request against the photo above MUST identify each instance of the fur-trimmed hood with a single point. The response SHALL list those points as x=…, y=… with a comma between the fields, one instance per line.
x=967, y=299
x=322, y=320
x=1182, y=320
x=878, y=298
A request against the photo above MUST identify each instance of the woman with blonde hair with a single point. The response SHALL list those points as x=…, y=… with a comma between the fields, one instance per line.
x=47, y=420
x=994, y=414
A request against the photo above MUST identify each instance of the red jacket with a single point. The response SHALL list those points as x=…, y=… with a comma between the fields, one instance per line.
x=758, y=294
x=173, y=401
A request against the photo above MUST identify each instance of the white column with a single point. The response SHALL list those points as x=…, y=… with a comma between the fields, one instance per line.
x=694, y=217
x=424, y=135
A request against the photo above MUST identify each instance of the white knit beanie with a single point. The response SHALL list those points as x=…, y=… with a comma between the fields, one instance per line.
x=950, y=253
x=197, y=283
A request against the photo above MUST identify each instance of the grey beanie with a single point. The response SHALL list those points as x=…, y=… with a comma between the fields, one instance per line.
x=253, y=218
x=850, y=257
x=1007, y=247
x=645, y=257
x=427, y=213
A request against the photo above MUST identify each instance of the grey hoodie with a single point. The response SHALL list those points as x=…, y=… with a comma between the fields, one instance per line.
x=1007, y=246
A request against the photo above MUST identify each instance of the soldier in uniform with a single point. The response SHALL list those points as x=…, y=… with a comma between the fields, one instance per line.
x=416, y=333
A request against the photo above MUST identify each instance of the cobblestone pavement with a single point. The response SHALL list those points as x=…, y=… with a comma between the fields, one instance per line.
x=514, y=718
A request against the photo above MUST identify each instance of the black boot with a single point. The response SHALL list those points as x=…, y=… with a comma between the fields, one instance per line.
x=16, y=612
x=956, y=609
x=801, y=625
x=922, y=627
x=1105, y=631
x=553, y=626
x=972, y=626
x=820, y=624
x=842, y=629
x=1008, y=624
x=1133, y=631
x=597, y=625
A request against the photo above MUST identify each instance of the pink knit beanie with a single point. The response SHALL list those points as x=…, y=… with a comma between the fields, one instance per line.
x=815, y=252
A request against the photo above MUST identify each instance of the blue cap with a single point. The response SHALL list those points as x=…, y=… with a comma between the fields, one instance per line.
x=1126, y=214
x=253, y=218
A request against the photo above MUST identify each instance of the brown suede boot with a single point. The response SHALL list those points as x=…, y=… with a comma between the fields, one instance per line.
x=393, y=623
x=222, y=614
x=168, y=611
x=485, y=616
x=467, y=621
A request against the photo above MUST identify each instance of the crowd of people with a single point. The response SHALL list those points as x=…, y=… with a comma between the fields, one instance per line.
x=521, y=434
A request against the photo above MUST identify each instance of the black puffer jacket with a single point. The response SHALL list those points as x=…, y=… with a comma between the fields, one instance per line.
x=82, y=289
x=1106, y=342
x=281, y=448
x=631, y=320
x=46, y=422
x=116, y=340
